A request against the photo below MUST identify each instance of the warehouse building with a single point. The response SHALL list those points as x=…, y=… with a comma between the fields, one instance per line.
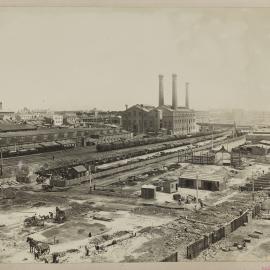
x=142, y=118
x=76, y=136
x=206, y=177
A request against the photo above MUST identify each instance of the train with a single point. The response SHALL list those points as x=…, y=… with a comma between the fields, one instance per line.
x=33, y=149
x=103, y=147
x=157, y=151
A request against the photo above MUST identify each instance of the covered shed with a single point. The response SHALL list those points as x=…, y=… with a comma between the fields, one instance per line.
x=213, y=180
x=47, y=146
x=170, y=185
x=255, y=149
x=77, y=171
x=148, y=192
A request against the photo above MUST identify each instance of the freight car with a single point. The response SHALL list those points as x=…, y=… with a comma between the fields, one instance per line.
x=174, y=139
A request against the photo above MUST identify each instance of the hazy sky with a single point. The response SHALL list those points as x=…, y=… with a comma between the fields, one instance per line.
x=80, y=58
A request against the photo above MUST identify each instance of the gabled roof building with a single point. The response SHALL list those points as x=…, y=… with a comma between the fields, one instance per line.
x=142, y=118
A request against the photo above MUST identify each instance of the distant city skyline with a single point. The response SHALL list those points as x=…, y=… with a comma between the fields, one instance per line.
x=57, y=58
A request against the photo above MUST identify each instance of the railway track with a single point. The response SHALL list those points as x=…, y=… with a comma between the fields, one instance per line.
x=83, y=154
x=143, y=166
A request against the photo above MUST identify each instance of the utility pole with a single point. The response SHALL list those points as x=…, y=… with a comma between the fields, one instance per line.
x=197, y=191
x=1, y=162
x=90, y=179
x=212, y=141
x=253, y=193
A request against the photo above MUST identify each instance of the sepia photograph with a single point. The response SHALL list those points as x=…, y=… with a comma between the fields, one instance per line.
x=134, y=134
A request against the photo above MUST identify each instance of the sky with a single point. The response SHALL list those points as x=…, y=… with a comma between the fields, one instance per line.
x=84, y=58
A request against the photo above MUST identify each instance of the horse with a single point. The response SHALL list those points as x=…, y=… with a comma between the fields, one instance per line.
x=42, y=248
x=32, y=244
x=60, y=215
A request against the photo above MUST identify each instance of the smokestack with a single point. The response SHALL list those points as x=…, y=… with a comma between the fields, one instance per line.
x=174, y=91
x=187, y=95
x=161, y=90
x=1, y=105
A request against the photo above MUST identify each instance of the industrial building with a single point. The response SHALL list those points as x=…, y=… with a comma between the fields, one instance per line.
x=175, y=119
x=172, y=118
x=80, y=136
x=142, y=118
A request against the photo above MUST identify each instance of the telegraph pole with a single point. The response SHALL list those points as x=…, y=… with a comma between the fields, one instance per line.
x=1, y=162
x=253, y=191
x=90, y=179
x=212, y=141
x=197, y=191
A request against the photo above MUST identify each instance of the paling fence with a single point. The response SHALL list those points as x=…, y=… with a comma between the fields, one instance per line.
x=256, y=210
x=194, y=249
x=172, y=258
x=70, y=182
x=238, y=222
x=217, y=235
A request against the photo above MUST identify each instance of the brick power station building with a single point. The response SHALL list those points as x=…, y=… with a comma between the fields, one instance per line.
x=176, y=120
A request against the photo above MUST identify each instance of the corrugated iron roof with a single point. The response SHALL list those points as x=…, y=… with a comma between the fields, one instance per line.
x=80, y=168
x=149, y=186
x=202, y=176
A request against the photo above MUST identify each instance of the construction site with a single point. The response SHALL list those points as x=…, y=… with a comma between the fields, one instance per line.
x=204, y=201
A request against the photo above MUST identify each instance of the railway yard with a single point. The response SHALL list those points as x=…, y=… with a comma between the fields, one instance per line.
x=108, y=219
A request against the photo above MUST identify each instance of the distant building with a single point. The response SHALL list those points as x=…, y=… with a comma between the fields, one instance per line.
x=57, y=119
x=9, y=116
x=176, y=120
x=96, y=118
x=70, y=119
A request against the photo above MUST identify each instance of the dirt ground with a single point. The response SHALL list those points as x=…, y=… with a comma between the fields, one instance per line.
x=256, y=250
x=143, y=230
x=73, y=234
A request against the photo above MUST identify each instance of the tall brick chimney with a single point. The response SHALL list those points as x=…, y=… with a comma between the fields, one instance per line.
x=187, y=95
x=161, y=90
x=174, y=92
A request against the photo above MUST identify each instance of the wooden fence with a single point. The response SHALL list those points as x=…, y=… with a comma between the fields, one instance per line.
x=194, y=249
x=172, y=258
